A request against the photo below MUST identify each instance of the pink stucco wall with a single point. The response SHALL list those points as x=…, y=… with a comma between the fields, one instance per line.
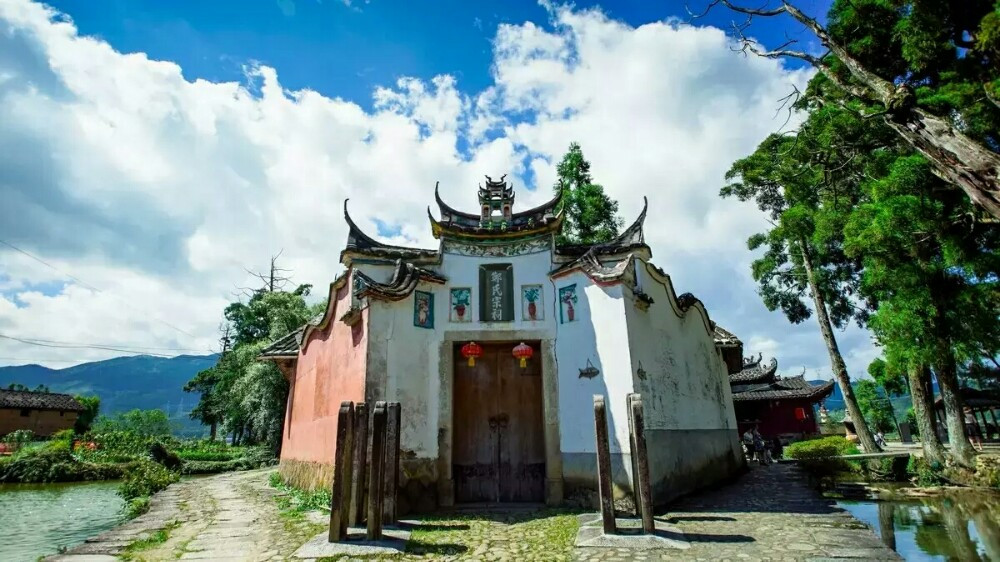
x=331, y=369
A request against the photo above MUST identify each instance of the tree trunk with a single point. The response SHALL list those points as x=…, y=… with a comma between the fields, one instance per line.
x=923, y=411
x=836, y=359
x=212, y=431
x=947, y=378
x=956, y=158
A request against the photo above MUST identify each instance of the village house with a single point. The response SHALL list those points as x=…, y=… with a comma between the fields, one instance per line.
x=44, y=413
x=495, y=343
x=780, y=408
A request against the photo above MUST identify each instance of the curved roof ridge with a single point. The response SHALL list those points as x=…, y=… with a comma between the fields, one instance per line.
x=550, y=204
x=634, y=233
x=448, y=209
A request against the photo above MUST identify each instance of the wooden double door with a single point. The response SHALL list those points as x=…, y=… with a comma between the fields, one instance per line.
x=498, y=452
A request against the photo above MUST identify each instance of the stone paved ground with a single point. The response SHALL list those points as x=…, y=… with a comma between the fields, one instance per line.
x=228, y=516
x=768, y=514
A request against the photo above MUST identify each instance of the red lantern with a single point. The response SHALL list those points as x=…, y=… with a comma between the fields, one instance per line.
x=470, y=351
x=800, y=414
x=523, y=352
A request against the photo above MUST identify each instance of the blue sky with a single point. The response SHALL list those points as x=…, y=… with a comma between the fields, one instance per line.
x=343, y=50
x=156, y=150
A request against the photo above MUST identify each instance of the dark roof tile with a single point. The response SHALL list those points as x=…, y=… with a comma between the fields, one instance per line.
x=24, y=400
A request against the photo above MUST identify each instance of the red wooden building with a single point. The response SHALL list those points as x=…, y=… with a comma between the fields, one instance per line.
x=778, y=407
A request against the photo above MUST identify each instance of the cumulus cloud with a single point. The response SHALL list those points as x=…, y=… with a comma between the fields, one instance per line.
x=159, y=190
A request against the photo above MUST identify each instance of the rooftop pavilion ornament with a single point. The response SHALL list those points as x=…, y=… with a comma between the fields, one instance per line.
x=496, y=199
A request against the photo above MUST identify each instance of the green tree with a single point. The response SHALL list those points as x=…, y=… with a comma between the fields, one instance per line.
x=803, y=183
x=874, y=406
x=148, y=423
x=21, y=388
x=934, y=275
x=85, y=419
x=589, y=215
x=243, y=395
x=926, y=68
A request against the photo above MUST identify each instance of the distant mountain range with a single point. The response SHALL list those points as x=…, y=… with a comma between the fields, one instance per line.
x=125, y=383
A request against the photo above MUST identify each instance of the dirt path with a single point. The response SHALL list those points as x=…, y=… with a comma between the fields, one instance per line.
x=230, y=516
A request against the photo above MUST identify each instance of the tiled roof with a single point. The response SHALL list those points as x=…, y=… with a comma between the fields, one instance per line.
x=724, y=337
x=23, y=400
x=361, y=243
x=455, y=221
x=755, y=371
x=285, y=346
x=404, y=280
x=782, y=389
x=288, y=344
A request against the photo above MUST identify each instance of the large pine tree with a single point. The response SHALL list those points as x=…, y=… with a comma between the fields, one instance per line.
x=589, y=215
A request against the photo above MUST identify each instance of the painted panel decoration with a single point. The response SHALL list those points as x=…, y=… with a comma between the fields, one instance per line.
x=531, y=303
x=496, y=292
x=461, y=304
x=423, y=309
x=567, y=300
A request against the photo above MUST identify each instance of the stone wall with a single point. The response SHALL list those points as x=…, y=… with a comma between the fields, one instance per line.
x=42, y=422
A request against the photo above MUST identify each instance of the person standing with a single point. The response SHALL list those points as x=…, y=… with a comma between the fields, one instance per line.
x=972, y=430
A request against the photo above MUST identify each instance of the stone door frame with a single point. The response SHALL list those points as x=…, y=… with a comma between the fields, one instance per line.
x=550, y=407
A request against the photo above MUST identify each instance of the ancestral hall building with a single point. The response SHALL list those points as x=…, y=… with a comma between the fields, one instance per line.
x=438, y=329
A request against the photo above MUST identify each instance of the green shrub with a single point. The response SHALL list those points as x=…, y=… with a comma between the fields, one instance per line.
x=20, y=437
x=199, y=455
x=253, y=457
x=63, y=435
x=136, y=507
x=53, y=462
x=819, y=456
x=823, y=447
x=926, y=474
x=145, y=479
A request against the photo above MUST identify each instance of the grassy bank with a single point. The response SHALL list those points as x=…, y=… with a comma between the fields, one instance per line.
x=822, y=458
x=144, y=464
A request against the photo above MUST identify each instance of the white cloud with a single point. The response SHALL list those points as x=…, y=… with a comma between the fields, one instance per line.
x=159, y=190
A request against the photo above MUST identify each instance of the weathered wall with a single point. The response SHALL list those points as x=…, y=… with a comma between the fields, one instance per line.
x=598, y=334
x=690, y=424
x=405, y=360
x=42, y=422
x=331, y=369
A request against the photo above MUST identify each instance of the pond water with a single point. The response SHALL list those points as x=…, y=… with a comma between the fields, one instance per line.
x=37, y=519
x=962, y=526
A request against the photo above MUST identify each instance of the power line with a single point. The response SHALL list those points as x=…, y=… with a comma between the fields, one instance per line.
x=91, y=287
x=83, y=344
x=106, y=348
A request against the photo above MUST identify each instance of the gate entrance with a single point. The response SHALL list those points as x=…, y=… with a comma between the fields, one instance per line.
x=498, y=449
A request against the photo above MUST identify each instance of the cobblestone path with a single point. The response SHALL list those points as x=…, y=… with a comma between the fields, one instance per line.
x=230, y=516
x=768, y=514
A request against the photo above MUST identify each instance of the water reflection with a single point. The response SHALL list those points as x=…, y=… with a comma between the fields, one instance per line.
x=962, y=526
x=38, y=519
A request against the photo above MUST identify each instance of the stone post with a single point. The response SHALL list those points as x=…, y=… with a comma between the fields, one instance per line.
x=376, y=472
x=340, y=494
x=636, y=499
x=604, y=481
x=391, y=482
x=359, y=470
x=642, y=461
